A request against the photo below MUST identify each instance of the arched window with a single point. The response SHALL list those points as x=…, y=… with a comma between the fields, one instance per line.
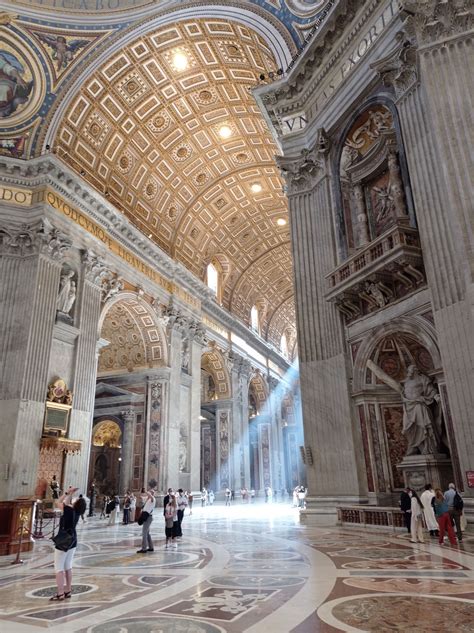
x=213, y=279
x=284, y=345
x=254, y=319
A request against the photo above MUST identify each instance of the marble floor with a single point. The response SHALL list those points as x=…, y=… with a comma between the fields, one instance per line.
x=244, y=568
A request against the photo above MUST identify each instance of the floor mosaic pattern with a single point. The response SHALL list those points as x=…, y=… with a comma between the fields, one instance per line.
x=244, y=568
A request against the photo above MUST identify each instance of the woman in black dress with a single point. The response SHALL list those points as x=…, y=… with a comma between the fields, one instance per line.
x=63, y=558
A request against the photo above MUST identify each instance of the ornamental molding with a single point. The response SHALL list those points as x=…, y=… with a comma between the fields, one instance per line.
x=293, y=92
x=301, y=173
x=399, y=69
x=429, y=21
x=28, y=240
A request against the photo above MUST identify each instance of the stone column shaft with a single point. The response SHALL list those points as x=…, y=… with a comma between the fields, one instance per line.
x=329, y=427
x=128, y=437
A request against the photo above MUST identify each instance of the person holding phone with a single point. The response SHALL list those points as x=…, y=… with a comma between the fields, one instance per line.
x=65, y=546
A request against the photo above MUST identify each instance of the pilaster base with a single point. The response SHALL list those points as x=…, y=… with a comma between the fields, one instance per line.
x=419, y=470
x=322, y=511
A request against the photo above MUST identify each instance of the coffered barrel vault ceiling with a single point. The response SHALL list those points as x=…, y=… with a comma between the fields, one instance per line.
x=146, y=131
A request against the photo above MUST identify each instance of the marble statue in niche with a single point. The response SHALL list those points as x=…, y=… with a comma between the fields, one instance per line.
x=183, y=449
x=423, y=425
x=67, y=294
x=185, y=357
x=15, y=84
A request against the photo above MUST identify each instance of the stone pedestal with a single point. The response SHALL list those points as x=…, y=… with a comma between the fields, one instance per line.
x=419, y=470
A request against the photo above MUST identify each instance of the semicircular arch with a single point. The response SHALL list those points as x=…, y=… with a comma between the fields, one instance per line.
x=140, y=317
x=214, y=363
x=415, y=327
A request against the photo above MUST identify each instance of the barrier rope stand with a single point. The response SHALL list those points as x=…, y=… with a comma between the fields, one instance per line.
x=18, y=560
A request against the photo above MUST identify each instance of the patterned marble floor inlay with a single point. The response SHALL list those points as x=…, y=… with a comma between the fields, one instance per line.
x=245, y=568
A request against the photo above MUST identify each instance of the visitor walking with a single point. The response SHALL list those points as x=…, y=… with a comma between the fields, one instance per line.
x=228, y=495
x=167, y=498
x=405, y=507
x=65, y=543
x=203, y=498
x=171, y=521
x=146, y=521
x=426, y=499
x=126, y=508
x=455, y=506
x=133, y=507
x=416, y=524
x=92, y=499
x=80, y=507
x=211, y=497
x=190, y=497
x=113, y=509
x=182, y=504
x=105, y=503
x=441, y=509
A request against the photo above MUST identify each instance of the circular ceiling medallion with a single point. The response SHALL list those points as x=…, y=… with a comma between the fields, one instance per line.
x=22, y=82
x=182, y=152
x=242, y=157
x=202, y=178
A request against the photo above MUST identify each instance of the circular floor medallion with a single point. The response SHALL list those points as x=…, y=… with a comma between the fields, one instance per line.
x=47, y=592
x=373, y=613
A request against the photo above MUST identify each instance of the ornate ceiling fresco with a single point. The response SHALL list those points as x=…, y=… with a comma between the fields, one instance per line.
x=169, y=131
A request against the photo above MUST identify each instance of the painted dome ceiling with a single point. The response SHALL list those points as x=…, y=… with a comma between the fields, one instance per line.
x=168, y=130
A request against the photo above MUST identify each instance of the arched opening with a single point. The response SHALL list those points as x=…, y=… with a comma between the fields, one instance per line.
x=255, y=319
x=106, y=456
x=212, y=279
x=132, y=342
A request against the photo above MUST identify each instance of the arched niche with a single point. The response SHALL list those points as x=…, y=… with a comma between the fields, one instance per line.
x=135, y=334
x=371, y=176
x=105, y=457
x=414, y=333
x=258, y=392
x=215, y=373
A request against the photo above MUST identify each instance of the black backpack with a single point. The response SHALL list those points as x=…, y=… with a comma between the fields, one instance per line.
x=458, y=503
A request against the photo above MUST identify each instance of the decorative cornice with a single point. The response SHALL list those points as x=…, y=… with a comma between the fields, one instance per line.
x=429, y=21
x=301, y=173
x=399, y=69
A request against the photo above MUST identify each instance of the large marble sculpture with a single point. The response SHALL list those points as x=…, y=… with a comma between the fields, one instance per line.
x=422, y=426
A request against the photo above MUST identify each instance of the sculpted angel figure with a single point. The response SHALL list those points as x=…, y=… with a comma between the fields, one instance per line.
x=422, y=420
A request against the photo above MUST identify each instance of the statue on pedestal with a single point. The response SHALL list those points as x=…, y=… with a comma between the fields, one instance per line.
x=67, y=292
x=422, y=420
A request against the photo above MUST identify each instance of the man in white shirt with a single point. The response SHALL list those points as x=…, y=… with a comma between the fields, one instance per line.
x=149, y=506
x=430, y=519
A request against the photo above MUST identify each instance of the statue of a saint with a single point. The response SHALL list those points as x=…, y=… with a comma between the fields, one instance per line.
x=54, y=486
x=67, y=292
x=422, y=421
x=183, y=455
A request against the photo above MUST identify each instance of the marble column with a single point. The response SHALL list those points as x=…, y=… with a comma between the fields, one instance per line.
x=88, y=309
x=126, y=467
x=330, y=434
x=223, y=453
x=430, y=74
x=197, y=340
x=30, y=266
x=240, y=461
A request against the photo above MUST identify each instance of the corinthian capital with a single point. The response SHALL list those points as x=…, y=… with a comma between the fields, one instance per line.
x=301, y=173
x=95, y=269
x=128, y=416
x=433, y=20
x=399, y=69
x=28, y=240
